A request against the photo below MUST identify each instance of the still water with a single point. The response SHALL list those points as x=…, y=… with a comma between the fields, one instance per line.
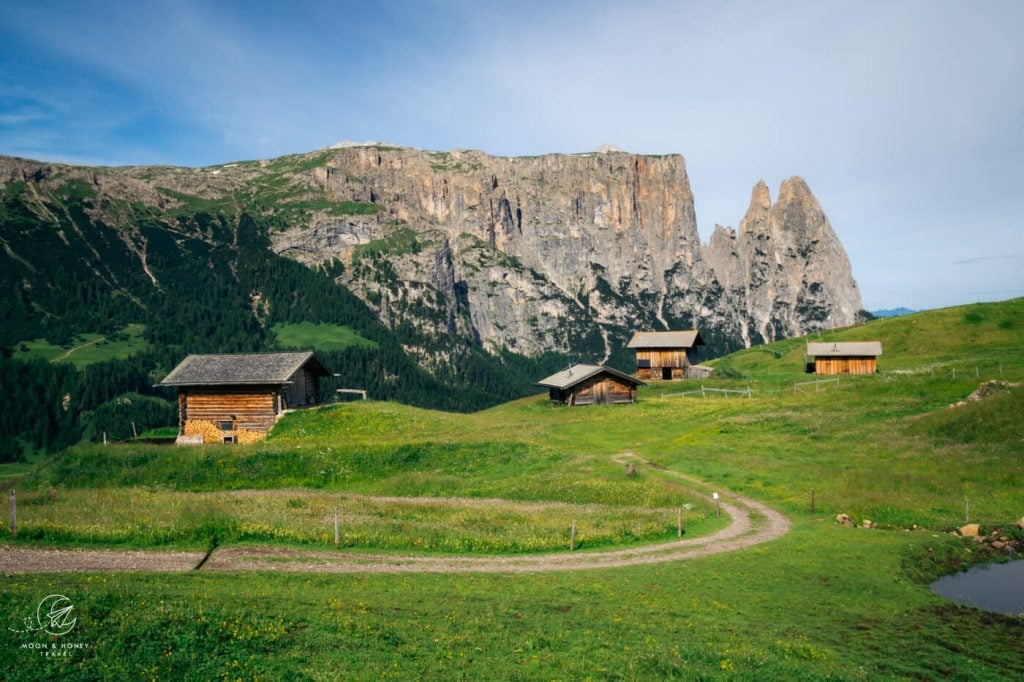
x=998, y=588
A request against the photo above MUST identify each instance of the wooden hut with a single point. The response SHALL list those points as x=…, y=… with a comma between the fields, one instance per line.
x=843, y=358
x=238, y=398
x=591, y=384
x=664, y=355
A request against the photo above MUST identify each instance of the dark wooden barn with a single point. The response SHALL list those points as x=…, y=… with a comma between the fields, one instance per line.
x=843, y=358
x=591, y=384
x=664, y=356
x=238, y=398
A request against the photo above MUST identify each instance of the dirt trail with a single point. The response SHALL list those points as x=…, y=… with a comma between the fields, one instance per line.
x=752, y=523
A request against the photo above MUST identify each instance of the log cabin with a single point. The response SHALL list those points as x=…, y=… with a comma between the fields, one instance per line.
x=843, y=358
x=237, y=398
x=590, y=385
x=665, y=356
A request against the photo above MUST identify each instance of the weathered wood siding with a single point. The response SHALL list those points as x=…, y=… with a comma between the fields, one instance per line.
x=657, y=373
x=650, y=362
x=602, y=389
x=662, y=357
x=254, y=408
x=304, y=389
x=845, y=365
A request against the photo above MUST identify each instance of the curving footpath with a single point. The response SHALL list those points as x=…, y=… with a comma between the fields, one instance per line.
x=752, y=523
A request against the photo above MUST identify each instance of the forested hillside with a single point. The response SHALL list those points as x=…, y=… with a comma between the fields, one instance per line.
x=199, y=279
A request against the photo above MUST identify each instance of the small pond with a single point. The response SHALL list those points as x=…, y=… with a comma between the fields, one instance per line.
x=998, y=588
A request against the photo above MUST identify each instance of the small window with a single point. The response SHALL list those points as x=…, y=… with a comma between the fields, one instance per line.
x=226, y=426
x=228, y=439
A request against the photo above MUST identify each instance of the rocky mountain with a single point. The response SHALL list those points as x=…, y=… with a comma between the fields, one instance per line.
x=538, y=254
x=529, y=255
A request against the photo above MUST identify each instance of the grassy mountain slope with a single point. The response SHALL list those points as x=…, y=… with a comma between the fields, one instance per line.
x=823, y=602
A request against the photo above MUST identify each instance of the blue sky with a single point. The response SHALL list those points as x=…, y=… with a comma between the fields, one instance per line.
x=905, y=118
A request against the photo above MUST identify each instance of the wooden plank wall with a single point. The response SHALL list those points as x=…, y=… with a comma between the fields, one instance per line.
x=663, y=358
x=254, y=408
x=654, y=374
x=304, y=389
x=603, y=389
x=845, y=365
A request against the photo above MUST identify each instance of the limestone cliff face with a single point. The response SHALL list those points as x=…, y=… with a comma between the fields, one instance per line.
x=605, y=240
x=786, y=269
x=565, y=253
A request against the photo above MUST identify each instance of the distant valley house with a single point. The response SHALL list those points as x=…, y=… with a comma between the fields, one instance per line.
x=237, y=398
x=667, y=355
x=859, y=357
x=591, y=384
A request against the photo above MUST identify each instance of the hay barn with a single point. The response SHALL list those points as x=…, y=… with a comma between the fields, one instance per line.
x=843, y=358
x=237, y=398
x=664, y=356
x=590, y=385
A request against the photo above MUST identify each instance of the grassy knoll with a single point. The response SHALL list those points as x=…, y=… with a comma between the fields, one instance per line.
x=325, y=337
x=823, y=602
x=86, y=349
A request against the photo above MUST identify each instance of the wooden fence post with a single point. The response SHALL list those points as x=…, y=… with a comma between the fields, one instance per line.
x=135, y=434
x=967, y=510
x=679, y=524
x=812, y=500
x=104, y=437
x=14, y=513
x=572, y=537
x=337, y=520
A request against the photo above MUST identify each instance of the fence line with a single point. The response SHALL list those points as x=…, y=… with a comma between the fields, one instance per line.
x=798, y=385
x=704, y=390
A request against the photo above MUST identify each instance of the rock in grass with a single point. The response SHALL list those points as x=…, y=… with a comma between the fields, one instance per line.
x=1020, y=523
x=970, y=530
x=867, y=523
x=844, y=520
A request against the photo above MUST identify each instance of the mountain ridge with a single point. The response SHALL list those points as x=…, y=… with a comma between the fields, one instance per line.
x=525, y=254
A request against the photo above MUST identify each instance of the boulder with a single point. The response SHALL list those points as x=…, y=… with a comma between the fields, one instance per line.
x=998, y=544
x=970, y=530
x=1020, y=523
x=844, y=520
x=867, y=523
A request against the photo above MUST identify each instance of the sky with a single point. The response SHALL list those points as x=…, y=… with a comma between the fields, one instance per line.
x=906, y=118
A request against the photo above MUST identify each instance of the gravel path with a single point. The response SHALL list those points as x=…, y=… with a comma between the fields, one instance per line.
x=752, y=523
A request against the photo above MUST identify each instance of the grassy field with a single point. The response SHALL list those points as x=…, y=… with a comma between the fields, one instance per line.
x=86, y=349
x=823, y=602
x=325, y=337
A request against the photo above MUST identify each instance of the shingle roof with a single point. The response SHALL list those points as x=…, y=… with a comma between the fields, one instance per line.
x=845, y=349
x=678, y=339
x=577, y=373
x=241, y=369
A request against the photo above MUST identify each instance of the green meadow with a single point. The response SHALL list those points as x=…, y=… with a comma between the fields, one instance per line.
x=86, y=349
x=822, y=602
x=323, y=337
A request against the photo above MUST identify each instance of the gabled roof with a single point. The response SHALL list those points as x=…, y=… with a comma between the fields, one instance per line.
x=568, y=378
x=845, y=349
x=241, y=369
x=678, y=339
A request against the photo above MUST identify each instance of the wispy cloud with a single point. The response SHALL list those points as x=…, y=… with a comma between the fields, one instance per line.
x=986, y=259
